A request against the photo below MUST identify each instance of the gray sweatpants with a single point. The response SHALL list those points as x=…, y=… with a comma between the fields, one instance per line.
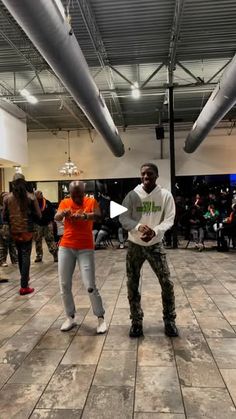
x=67, y=259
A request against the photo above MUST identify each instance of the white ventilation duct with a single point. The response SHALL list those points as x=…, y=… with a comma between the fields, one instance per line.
x=46, y=26
x=220, y=102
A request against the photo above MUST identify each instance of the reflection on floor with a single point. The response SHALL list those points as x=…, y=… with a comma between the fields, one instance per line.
x=48, y=374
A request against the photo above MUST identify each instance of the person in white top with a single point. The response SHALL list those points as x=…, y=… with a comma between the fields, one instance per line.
x=151, y=212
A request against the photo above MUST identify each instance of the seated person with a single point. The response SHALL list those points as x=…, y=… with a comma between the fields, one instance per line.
x=106, y=230
x=212, y=217
x=196, y=223
x=228, y=229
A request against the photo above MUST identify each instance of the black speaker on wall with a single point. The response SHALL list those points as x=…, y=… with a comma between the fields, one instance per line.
x=160, y=133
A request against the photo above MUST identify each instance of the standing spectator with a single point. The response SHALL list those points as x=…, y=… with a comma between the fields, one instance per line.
x=6, y=241
x=19, y=209
x=77, y=245
x=151, y=212
x=44, y=228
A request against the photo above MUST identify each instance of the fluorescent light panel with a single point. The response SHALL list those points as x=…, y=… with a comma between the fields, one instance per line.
x=30, y=98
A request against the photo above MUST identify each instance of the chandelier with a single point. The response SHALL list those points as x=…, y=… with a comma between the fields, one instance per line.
x=69, y=168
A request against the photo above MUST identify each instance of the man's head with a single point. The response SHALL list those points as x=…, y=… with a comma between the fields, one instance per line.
x=211, y=207
x=77, y=191
x=39, y=195
x=149, y=175
x=18, y=176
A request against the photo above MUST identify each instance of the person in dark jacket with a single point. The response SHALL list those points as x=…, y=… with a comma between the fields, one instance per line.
x=6, y=242
x=20, y=208
x=44, y=228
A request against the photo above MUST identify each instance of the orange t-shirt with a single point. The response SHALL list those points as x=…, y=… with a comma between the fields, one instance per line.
x=78, y=234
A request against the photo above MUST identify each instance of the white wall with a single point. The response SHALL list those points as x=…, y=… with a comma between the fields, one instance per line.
x=13, y=140
x=47, y=155
x=216, y=154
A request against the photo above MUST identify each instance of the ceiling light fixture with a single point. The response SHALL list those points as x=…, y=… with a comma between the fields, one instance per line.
x=18, y=169
x=30, y=98
x=135, y=91
x=69, y=168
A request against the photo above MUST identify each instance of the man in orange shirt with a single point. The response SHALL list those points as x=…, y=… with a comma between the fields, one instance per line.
x=77, y=245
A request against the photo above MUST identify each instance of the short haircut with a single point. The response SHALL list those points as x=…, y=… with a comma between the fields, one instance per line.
x=18, y=176
x=152, y=166
x=76, y=184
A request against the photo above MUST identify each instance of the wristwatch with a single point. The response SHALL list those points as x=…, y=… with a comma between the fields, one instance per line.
x=85, y=216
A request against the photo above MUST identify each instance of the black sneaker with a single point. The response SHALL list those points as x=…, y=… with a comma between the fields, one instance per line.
x=38, y=259
x=171, y=330
x=136, y=330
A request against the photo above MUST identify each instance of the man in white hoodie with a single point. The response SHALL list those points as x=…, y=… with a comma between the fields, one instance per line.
x=151, y=211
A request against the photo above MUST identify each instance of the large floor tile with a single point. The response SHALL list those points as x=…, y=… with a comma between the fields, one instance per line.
x=208, y=403
x=214, y=327
x=196, y=366
x=17, y=402
x=229, y=377
x=159, y=416
x=224, y=351
x=56, y=414
x=68, y=388
x=84, y=350
x=6, y=371
x=109, y=403
x=118, y=339
x=155, y=351
x=38, y=367
x=157, y=390
x=116, y=368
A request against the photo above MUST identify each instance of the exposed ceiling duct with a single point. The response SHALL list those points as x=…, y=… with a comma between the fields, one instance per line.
x=47, y=27
x=220, y=102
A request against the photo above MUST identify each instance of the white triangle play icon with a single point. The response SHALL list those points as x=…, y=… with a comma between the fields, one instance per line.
x=116, y=209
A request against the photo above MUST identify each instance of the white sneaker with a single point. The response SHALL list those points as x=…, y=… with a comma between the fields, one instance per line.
x=102, y=327
x=122, y=246
x=68, y=324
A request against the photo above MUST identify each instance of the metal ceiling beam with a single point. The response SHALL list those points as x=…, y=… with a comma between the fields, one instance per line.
x=96, y=39
x=175, y=32
x=151, y=76
x=35, y=120
x=198, y=79
x=16, y=29
x=180, y=89
x=121, y=75
x=20, y=53
x=73, y=114
x=219, y=71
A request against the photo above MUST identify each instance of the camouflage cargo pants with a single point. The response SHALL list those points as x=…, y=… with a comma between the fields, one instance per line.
x=47, y=233
x=7, y=244
x=156, y=257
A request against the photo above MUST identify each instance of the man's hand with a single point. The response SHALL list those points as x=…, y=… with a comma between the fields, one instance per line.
x=77, y=216
x=147, y=233
x=144, y=229
x=66, y=213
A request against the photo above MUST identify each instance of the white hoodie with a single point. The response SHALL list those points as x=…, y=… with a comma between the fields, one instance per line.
x=156, y=210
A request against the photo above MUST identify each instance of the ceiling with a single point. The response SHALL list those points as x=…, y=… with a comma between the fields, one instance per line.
x=125, y=41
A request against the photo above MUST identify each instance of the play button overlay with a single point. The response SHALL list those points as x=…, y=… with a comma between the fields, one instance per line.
x=116, y=209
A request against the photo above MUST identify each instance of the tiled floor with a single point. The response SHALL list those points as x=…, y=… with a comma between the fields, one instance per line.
x=46, y=374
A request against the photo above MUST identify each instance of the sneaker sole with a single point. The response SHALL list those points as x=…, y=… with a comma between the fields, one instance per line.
x=70, y=328
x=101, y=333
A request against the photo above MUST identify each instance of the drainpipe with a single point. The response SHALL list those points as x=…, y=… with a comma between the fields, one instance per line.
x=48, y=29
x=220, y=102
